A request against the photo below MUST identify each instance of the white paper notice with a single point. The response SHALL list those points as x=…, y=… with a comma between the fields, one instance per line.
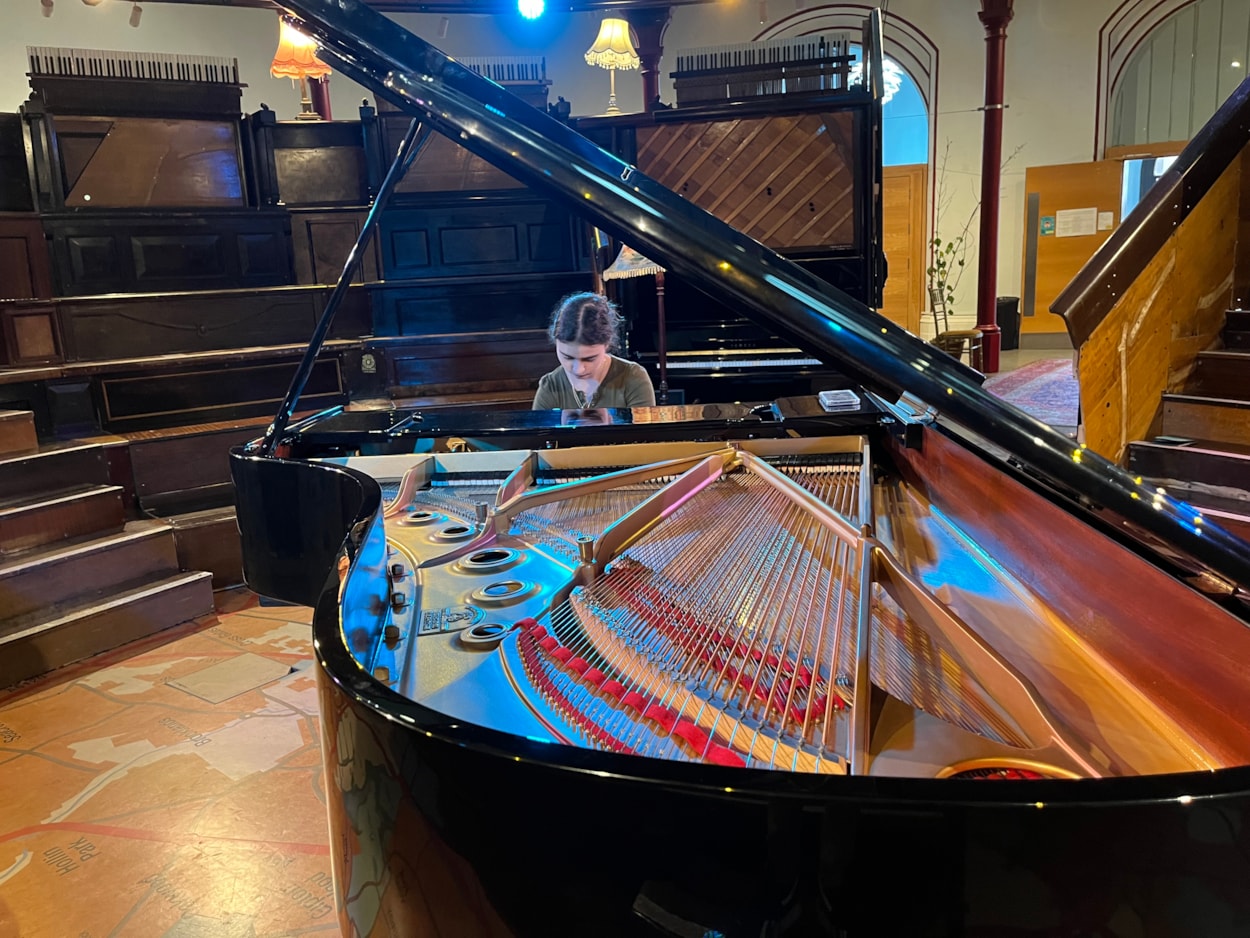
x=1106, y=221
x=1075, y=222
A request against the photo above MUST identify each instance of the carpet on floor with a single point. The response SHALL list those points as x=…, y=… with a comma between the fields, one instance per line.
x=1046, y=389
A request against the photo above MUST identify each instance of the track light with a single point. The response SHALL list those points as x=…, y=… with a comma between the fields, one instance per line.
x=763, y=11
x=47, y=7
x=442, y=27
x=136, y=14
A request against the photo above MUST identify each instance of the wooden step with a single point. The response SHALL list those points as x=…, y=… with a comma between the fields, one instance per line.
x=1236, y=338
x=1224, y=374
x=1234, y=523
x=37, y=520
x=17, y=431
x=1238, y=320
x=52, y=468
x=209, y=540
x=1219, y=420
x=1199, y=462
x=78, y=572
x=30, y=648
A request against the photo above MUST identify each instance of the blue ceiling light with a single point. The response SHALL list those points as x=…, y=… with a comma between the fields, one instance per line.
x=531, y=9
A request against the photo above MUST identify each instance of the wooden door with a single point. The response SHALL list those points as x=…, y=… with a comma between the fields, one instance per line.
x=1061, y=205
x=903, y=199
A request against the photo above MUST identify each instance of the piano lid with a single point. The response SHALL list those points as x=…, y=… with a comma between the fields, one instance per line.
x=541, y=152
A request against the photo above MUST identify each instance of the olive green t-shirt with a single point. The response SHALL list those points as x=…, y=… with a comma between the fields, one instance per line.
x=626, y=384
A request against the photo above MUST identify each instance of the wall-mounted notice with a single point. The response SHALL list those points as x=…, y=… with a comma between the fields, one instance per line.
x=1076, y=222
x=1106, y=221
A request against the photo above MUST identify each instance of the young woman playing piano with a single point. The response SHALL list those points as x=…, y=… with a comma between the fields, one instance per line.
x=584, y=330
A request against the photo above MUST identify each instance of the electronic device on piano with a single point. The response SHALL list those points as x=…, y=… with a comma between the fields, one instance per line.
x=743, y=670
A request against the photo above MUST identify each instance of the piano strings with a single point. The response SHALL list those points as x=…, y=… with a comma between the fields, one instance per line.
x=660, y=651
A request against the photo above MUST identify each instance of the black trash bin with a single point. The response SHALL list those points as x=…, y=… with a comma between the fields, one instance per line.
x=1008, y=313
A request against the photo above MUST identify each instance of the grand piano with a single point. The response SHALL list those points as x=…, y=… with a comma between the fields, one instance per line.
x=905, y=661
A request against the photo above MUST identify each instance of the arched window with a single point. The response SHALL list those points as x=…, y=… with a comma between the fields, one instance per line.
x=1167, y=67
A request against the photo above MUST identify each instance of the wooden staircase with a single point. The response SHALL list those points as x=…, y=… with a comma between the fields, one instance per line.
x=1202, y=452
x=78, y=578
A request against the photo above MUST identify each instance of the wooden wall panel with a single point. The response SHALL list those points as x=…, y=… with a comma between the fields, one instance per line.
x=148, y=253
x=904, y=201
x=1146, y=345
x=321, y=241
x=496, y=238
x=29, y=335
x=25, y=272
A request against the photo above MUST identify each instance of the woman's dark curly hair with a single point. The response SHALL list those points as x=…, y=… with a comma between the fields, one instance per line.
x=585, y=319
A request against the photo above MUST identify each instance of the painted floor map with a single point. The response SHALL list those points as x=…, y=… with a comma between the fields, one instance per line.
x=131, y=807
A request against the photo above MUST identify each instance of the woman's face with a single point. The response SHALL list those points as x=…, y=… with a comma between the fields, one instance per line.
x=583, y=362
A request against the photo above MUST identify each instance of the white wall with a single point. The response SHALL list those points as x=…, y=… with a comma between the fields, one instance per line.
x=1050, y=82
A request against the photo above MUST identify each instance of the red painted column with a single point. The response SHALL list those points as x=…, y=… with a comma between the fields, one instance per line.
x=994, y=15
x=319, y=92
x=649, y=24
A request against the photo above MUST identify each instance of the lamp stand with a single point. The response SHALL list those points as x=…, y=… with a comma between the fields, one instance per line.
x=662, y=343
x=612, y=108
x=306, y=112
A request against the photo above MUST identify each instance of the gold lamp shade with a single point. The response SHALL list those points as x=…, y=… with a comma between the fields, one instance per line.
x=296, y=56
x=629, y=263
x=612, y=48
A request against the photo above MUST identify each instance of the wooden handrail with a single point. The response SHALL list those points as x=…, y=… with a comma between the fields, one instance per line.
x=1120, y=260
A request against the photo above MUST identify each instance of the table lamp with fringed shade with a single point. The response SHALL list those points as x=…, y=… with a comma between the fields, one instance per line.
x=297, y=60
x=612, y=50
x=629, y=263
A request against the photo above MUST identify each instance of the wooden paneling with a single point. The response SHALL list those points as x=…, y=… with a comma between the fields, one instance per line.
x=1202, y=419
x=497, y=238
x=24, y=269
x=1241, y=269
x=321, y=241
x=477, y=363
x=15, y=193
x=471, y=306
x=1148, y=342
x=223, y=392
x=1058, y=260
x=904, y=200
x=147, y=253
x=147, y=163
x=29, y=335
